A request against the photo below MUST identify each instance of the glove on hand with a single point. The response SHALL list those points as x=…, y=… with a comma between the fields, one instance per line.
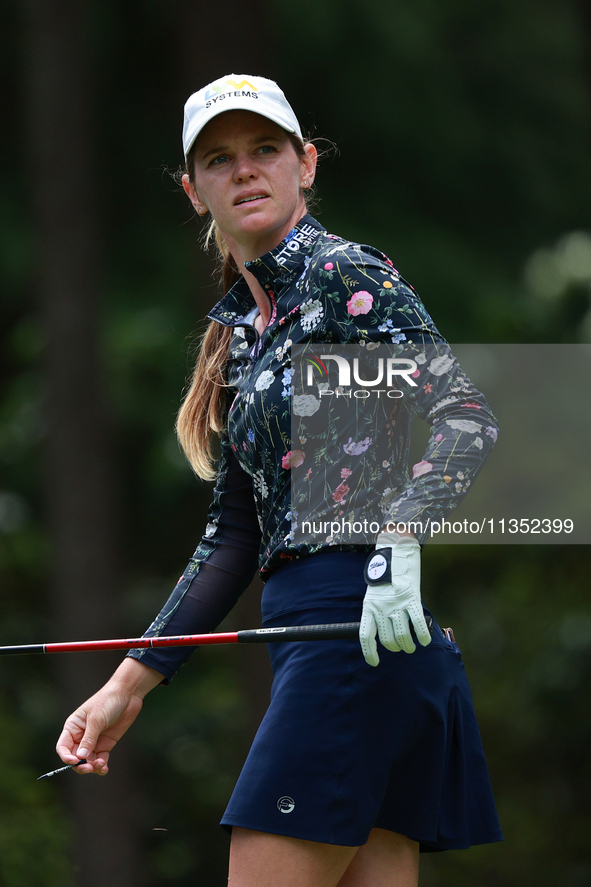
x=389, y=605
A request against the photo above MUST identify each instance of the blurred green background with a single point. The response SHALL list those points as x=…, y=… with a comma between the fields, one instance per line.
x=464, y=134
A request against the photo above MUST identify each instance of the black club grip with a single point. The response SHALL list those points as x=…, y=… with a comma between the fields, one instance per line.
x=329, y=632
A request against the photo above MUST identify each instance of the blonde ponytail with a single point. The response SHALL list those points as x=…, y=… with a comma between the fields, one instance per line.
x=202, y=413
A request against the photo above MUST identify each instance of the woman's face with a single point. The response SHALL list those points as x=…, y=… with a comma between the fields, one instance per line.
x=249, y=176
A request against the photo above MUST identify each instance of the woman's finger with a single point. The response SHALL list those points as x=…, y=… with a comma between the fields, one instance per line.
x=367, y=638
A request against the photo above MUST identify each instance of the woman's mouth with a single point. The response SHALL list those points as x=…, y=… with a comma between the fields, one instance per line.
x=250, y=198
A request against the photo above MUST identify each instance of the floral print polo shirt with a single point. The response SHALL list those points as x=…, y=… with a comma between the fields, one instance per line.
x=324, y=293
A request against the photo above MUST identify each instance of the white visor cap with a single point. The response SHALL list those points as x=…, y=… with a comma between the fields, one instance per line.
x=237, y=92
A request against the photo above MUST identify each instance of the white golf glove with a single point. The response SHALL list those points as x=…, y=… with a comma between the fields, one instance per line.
x=393, y=597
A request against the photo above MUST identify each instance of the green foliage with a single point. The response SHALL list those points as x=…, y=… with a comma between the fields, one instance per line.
x=464, y=132
x=34, y=834
x=524, y=627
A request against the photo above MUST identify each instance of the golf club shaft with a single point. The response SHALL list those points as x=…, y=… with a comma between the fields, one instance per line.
x=248, y=636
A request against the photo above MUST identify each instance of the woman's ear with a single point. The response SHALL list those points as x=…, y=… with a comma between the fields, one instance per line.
x=309, y=161
x=198, y=205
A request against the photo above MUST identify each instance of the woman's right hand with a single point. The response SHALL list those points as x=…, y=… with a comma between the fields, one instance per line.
x=97, y=725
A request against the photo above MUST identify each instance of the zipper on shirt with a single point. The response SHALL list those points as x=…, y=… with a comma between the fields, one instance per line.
x=244, y=322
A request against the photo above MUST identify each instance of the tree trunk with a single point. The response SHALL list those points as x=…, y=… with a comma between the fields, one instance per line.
x=80, y=494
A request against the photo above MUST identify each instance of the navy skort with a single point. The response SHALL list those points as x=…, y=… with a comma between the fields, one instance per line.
x=345, y=747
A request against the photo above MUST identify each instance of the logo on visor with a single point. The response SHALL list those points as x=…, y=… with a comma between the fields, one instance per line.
x=216, y=90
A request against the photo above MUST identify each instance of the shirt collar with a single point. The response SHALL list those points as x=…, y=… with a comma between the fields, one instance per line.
x=278, y=265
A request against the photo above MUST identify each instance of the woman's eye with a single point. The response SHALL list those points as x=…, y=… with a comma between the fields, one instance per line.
x=217, y=161
x=267, y=149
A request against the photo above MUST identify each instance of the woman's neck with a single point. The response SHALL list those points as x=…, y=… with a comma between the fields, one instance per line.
x=246, y=250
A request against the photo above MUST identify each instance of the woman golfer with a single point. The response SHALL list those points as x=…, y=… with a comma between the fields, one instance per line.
x=363, y=758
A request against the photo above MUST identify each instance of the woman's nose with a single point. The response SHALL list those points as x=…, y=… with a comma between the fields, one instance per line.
x=244, y=169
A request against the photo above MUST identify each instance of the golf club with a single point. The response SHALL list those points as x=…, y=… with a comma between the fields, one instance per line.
x=283, y=634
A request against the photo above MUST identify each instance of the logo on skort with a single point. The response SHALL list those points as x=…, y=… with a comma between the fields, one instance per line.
x=285, y=804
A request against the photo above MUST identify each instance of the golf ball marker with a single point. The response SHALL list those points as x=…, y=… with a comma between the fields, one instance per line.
x=378, y=568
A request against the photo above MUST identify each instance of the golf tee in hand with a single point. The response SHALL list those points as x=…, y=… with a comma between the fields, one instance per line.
x=92, y=731
x=393, y=598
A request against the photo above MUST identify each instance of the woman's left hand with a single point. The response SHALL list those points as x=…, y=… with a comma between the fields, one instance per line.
x=393, y=598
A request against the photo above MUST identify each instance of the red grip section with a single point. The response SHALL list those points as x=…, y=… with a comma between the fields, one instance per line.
x=197, y=640
x=190, y=640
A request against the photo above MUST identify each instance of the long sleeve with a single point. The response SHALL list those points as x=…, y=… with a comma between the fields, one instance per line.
x=219, y=571
x=463, y=431
x=365, y=312
x=463, y=428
